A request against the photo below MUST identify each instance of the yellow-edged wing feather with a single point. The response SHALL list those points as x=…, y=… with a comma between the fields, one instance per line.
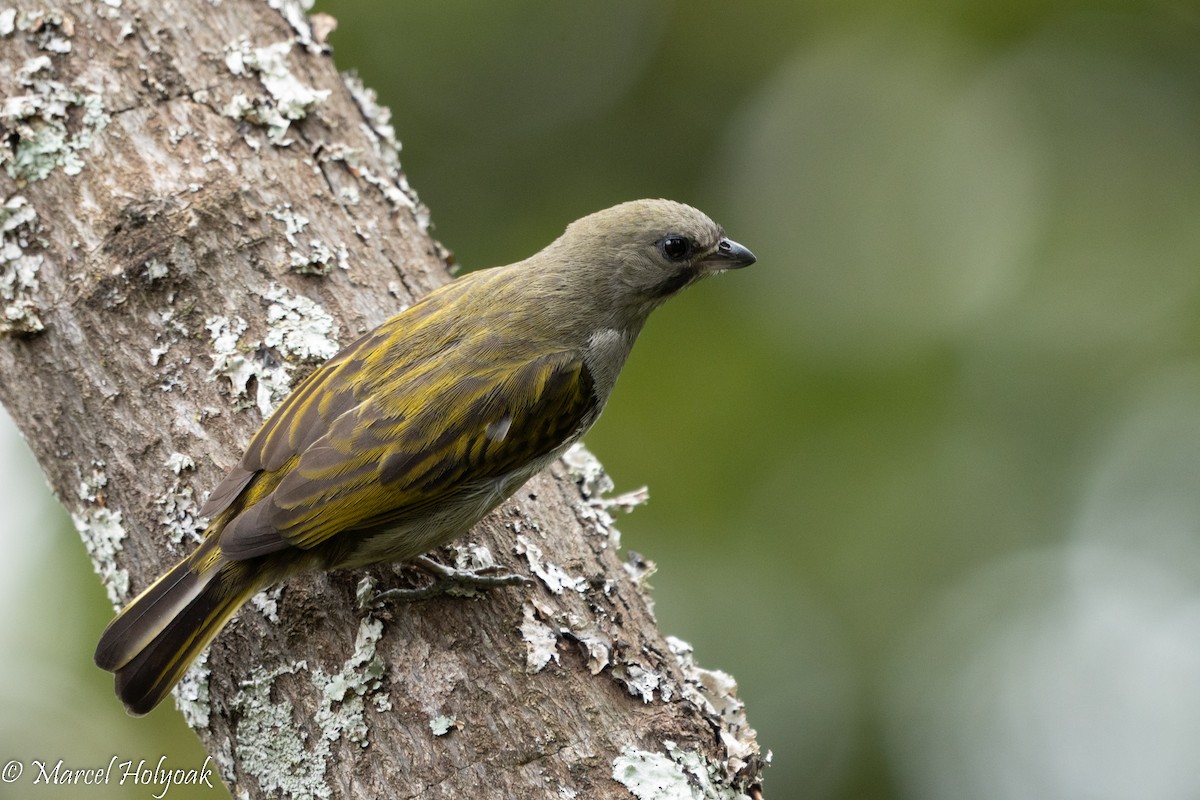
x=415, y=414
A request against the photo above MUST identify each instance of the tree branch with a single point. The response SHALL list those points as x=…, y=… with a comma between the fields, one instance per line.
x=196, y=210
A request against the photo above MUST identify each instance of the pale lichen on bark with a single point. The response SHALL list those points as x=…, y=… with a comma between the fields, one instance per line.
x=103, y=535
x=19, y=265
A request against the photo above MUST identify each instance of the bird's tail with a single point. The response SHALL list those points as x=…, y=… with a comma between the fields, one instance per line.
x=155, y=638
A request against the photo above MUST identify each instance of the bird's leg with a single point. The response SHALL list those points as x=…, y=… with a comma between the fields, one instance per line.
x=456, y=582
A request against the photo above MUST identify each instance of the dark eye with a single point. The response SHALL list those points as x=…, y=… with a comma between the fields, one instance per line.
x=675, y=248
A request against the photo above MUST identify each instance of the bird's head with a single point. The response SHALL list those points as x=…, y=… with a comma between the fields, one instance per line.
x=635, y=255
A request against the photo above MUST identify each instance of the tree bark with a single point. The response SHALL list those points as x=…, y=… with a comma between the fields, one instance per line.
x=196, y=209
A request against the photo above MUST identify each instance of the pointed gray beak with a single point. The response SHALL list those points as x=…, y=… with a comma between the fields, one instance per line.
x=728, y=255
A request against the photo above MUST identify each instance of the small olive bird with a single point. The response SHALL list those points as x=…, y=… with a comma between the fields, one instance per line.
x=410, y=435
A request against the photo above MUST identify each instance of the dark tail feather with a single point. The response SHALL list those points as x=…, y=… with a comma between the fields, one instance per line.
x=153, y=641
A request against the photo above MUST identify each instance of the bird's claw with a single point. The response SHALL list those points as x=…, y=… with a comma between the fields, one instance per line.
x=451, y=581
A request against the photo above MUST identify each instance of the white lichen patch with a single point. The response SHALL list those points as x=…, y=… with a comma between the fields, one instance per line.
x=443, y=724
x=225, y=333
x=109, y=9
x=179, y=512
x=378, y=118
x=155, y=270
x=49, y=124
x=266, y=603
x=318, y=260
x=594, y=484
x=102, y=533
x=225, y=764
x=177, y=133
x=293, y=222
x=287, y=98
x=296, y=14
x=48, y=28
x=598, y=646
x=191, y=694
x=275, y=751
x=651, y=776
x=378, y=121
x=626, y=501
x=543, y=626
x=319, y=253
x=19, y=314
x=639, y=568
x=715, y=692
x=364, y=592
x=310, y=257
x=172, y=330
x=239, y=363
x=541, y=642
x=678, y=775
x=643, y=674
x=472, y=557
x=555, y=578
x=642, y=682
x=179, y=462
x=345, y=692
x=270, y=746
x=395, y=189
x=587, y=471
x=298, y=327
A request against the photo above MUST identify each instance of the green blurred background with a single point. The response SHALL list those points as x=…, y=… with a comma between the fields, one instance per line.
x=926, y=479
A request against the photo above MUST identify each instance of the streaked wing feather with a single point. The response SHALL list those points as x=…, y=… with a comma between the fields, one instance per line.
x=335, y=387
x=386, y=460
x=294, y=425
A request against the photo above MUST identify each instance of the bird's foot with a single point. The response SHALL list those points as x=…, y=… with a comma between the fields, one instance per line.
x=451, y=581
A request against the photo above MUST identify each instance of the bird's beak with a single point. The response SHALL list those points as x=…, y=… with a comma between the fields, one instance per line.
x=728, y=255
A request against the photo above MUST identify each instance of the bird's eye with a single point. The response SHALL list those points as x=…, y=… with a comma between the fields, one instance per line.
x=675, y=248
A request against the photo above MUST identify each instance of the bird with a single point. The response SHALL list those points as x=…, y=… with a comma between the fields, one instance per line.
x=410, y=435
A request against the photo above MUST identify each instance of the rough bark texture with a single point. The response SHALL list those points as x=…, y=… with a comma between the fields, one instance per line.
x=196, y=208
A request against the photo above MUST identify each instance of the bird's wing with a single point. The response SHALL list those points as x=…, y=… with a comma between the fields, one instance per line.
x=338, y=385
x=302, y=418
x=409, y=447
